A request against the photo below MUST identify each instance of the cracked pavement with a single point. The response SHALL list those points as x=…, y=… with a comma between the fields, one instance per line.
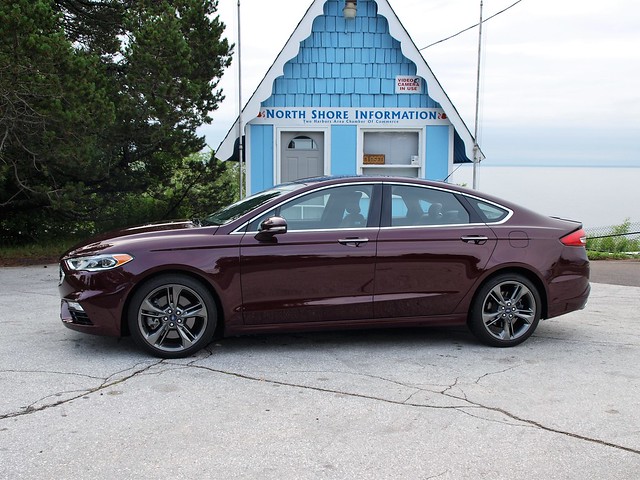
x=410, y=403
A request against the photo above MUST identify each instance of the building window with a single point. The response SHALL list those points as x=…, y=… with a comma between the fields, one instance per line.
x=391, y=152
x=302, y=143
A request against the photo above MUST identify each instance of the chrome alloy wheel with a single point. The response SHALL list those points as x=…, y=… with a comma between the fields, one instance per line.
x=509, y=310
x=172, y=318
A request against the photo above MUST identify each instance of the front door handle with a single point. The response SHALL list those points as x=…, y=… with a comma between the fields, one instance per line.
x=352, y=242
x=476, y=239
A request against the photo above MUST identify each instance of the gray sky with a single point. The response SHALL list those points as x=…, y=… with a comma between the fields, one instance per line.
x=560, y=81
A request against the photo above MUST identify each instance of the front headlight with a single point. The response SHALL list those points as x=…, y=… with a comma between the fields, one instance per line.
x=98, y=263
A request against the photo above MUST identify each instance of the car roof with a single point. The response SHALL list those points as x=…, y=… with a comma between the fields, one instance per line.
x=336, y=179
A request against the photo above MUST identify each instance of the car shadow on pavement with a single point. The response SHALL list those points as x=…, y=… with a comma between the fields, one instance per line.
x=377, y=340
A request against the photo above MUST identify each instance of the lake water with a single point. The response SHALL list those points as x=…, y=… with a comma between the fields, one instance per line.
x=597, y=196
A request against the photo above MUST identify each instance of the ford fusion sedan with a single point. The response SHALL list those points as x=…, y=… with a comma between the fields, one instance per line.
x=330, y=253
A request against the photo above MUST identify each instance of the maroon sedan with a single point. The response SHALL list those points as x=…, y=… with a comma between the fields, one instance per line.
x=330, y=253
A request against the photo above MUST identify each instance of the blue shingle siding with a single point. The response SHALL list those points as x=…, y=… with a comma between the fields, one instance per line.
x=347, y=63
x=349, y=56
x=358, y=71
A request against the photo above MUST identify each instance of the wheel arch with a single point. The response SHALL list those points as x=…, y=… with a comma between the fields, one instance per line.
x=199, y=277
x=514, y=269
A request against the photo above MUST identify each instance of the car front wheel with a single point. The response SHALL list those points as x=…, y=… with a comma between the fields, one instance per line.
x=172, y=316
x=505, y=311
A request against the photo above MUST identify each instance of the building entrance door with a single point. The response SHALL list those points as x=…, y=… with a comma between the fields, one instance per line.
x=301, y=155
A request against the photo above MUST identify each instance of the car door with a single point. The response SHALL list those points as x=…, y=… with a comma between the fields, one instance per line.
x=322, y=268
x=431, y=249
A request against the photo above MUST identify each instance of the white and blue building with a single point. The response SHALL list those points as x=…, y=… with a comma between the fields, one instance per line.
x=348, y=94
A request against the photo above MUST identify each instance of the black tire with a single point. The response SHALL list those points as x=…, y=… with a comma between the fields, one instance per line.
x=505, y=310
x=172, y=316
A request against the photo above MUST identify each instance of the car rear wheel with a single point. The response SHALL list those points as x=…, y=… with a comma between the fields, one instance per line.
x=505, y=311
x=172, y=316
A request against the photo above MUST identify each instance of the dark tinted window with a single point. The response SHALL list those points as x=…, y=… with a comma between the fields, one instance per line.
x=415, y=206
x=330, y=208
x=238, y=209
x=489, y=212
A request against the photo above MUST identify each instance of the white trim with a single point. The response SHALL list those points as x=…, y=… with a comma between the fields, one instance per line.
x=408, y=227
x=292, y=47
x=451, y=151
x=277, y=151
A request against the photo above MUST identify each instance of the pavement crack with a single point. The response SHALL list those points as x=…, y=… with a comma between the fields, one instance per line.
x=406, y=401
x=321, y=389
x=454, y=384
x=459, y=408
x=51, y=372
x=488, y=374
x=535, y=424
x=29, y=409
x=437, y=476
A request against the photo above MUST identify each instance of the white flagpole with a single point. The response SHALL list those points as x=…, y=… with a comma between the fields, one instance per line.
x=240, y=126
x=476, y=148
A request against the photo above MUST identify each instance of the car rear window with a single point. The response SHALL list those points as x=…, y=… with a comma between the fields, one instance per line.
x=489, y=212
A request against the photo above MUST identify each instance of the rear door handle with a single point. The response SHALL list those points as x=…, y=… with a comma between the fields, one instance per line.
x=352, y=242
x=477, y=239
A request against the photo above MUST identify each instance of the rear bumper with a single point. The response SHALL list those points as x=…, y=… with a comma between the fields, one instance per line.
x=567, y=295
x=568, y=287
x=570, y=305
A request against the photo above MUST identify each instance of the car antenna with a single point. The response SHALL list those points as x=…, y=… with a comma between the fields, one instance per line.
x=447, y=177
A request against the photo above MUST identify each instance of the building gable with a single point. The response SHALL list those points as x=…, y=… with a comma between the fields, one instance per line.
x=348, y=63
x=303, y=54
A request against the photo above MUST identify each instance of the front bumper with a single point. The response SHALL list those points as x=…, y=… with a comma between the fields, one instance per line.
x=93, y=302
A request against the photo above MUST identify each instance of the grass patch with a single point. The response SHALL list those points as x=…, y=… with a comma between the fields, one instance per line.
x=34, y=254
x=616, y=240
x=596, y=255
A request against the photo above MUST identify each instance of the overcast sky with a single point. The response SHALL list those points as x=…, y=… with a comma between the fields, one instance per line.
x=560, y=81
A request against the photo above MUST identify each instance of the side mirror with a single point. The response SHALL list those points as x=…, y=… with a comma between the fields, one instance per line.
x=273, y=226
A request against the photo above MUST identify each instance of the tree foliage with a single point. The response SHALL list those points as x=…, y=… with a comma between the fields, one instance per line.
x=99, y=102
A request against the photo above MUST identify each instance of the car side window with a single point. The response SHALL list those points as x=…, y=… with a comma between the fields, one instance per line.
x=331, y=208
x=417, y=206
x=489, y=212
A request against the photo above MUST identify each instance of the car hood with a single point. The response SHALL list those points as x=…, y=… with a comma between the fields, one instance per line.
x=131, y=235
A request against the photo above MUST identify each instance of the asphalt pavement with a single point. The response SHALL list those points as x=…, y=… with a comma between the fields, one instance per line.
x=616, y=272
x=386, y=404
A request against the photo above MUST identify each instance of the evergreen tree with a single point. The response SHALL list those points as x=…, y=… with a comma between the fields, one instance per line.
x=100, y=99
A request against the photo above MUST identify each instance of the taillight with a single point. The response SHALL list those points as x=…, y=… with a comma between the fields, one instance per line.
x=575, y=239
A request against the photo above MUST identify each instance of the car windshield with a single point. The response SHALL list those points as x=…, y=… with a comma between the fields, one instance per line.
x=238, y=209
